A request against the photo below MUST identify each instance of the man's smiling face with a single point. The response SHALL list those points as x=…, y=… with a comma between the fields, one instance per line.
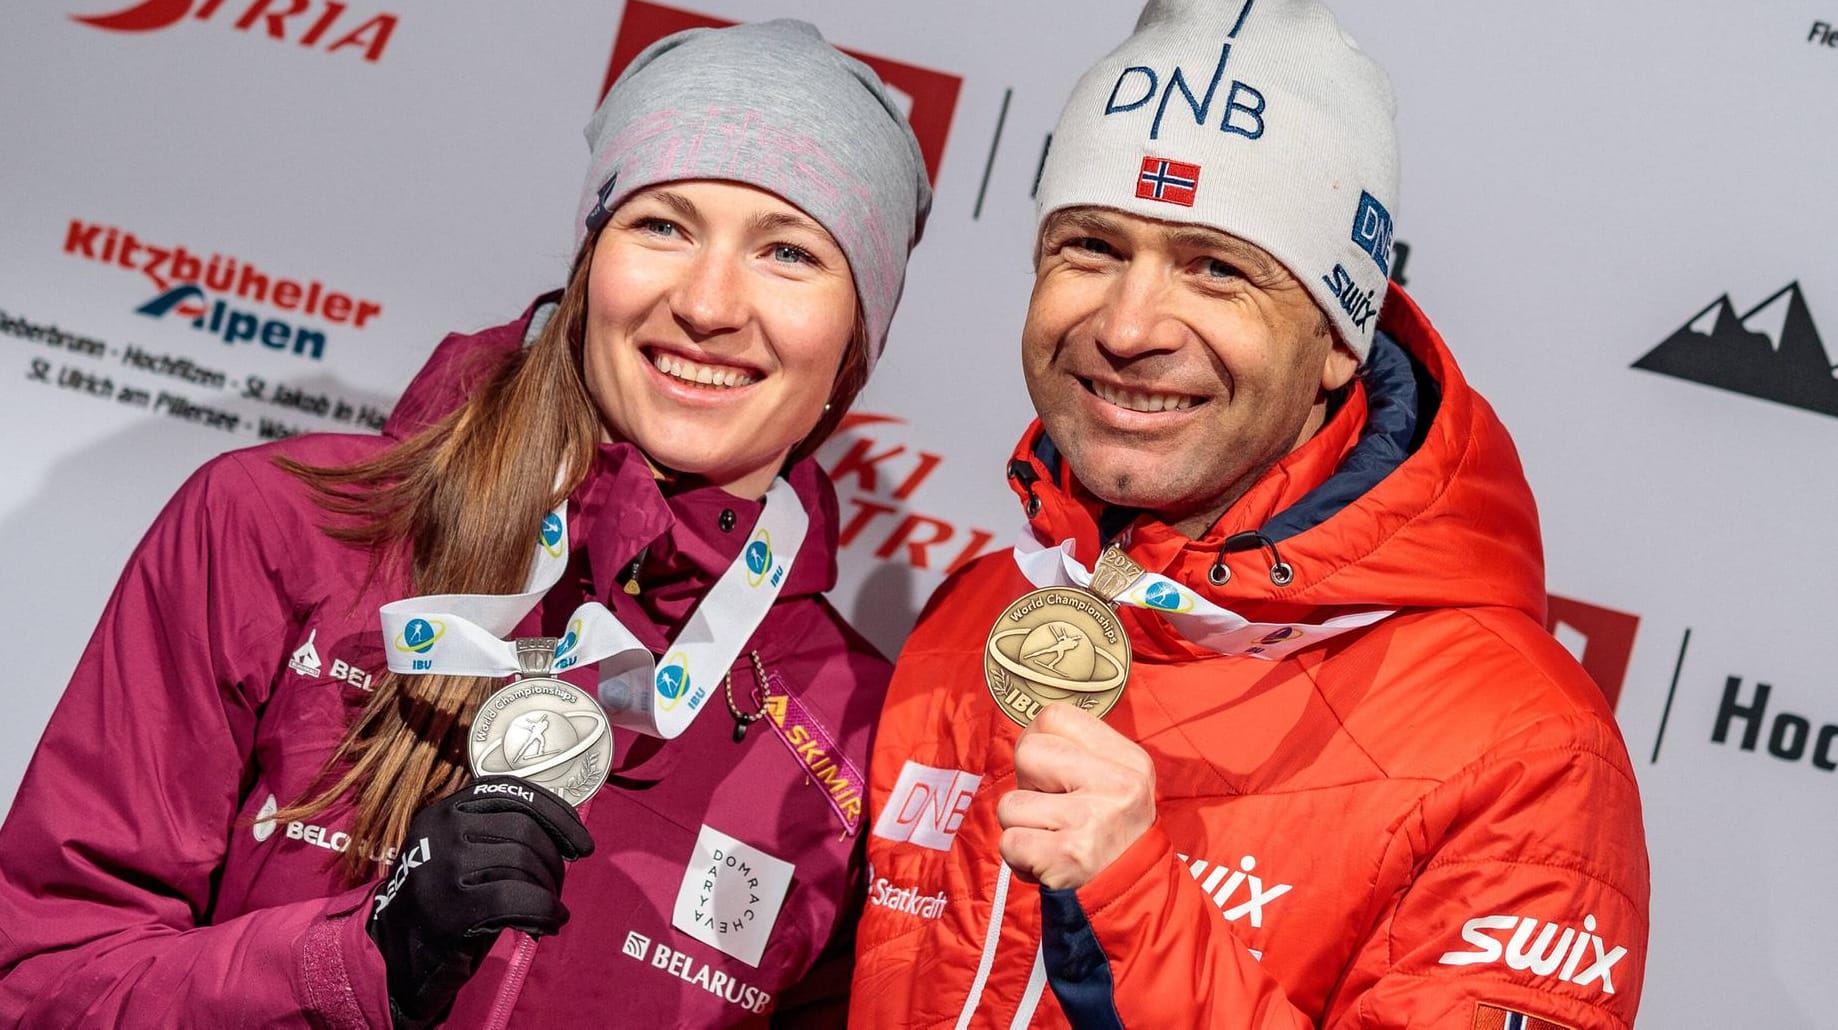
x=1172, y=364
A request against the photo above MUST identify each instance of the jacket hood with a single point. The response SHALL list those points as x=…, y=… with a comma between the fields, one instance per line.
x=623, y=510
x=1412, y=495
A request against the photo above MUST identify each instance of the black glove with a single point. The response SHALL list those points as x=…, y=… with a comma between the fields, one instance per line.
x=480, y=859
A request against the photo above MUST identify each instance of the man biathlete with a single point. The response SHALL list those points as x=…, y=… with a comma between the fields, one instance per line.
x=1322, y=765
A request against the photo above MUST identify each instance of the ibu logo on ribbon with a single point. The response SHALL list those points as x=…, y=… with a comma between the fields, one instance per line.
x=1166, y=597
x=417, y=638
x=420, y=635
x=759, y=559
x=673, y=680
x=570, y=641
x=553, y=535
x=639, y=691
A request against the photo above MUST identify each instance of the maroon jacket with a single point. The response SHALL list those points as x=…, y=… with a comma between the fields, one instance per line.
x=140, y=885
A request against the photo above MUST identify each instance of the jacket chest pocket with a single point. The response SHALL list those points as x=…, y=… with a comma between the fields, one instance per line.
x=649, y=877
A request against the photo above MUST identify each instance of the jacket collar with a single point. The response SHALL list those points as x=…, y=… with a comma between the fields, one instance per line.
x=683, y=537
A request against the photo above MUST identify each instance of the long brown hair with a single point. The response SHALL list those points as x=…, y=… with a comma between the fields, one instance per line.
x=460, y=502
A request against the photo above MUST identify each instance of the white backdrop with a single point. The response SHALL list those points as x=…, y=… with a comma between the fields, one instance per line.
x=1583, y=182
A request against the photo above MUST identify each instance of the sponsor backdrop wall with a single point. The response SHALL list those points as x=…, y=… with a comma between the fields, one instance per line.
x=227, y=220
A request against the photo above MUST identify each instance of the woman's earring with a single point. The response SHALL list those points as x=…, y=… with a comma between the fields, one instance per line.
x=826, y=409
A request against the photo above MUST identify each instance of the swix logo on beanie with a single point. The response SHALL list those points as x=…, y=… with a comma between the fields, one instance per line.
x=927, y=97
x=326, y=25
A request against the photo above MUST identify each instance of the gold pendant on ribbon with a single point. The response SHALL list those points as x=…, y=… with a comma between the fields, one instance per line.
x=1062, y=644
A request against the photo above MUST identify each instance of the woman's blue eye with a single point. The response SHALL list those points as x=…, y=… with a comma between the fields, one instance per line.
x=657, y=226
x=792, y=254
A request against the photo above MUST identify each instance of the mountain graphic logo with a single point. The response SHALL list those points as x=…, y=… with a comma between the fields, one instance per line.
x=1772, y=352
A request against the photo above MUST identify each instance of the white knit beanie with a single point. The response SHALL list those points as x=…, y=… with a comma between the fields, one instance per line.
x=1260, y=118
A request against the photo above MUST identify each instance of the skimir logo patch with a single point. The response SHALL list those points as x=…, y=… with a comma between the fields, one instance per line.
x=759, y=560
x=1541, y=949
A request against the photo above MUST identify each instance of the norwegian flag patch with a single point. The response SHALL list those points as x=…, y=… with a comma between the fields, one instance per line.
x=1171, y=182
x=1494, y=1017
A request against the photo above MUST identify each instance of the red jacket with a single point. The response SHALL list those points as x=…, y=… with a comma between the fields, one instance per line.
x=1430, y=822
x=142, y=887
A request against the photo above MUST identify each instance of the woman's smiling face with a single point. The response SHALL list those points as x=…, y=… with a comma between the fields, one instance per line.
x=717, y=318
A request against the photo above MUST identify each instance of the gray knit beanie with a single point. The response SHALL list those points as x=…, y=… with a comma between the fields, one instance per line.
x=774, y=106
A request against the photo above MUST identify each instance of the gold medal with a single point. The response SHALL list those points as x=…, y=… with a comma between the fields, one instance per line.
x=1062, y=644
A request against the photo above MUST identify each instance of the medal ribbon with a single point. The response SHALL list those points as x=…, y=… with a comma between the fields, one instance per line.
x=1198, y=621
x=462, y=634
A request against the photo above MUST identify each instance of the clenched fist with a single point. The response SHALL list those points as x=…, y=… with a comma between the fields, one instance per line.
x=1083, y=794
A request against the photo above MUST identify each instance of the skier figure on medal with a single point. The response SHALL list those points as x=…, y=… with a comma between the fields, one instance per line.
x=1351, y=781
x=535, y=747
x=215, y=832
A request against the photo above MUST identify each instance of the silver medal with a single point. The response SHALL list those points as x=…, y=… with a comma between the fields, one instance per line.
x=543, y=730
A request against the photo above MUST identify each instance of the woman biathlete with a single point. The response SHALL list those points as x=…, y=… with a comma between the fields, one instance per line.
x=239, y=817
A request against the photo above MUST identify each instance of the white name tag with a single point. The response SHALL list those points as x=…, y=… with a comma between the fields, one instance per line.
x=731, y=895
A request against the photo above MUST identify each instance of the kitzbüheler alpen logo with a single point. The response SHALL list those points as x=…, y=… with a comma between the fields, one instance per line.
x=1772, y=352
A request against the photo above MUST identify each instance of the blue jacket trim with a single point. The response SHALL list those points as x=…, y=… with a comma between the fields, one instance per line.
x=1077, y=968
x=1400, y=398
